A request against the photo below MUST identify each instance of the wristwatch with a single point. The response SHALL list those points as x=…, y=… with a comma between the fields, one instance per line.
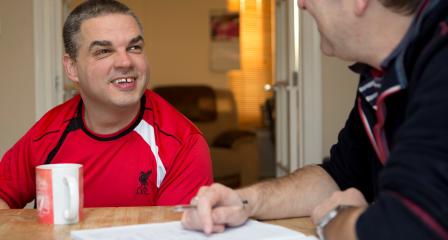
x=326, y=219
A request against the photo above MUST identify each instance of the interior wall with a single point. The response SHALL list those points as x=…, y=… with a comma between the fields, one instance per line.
x=338, y=92
x=17, y=96
x=177, y=38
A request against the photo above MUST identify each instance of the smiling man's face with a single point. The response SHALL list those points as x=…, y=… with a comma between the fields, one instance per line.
x=111, y=65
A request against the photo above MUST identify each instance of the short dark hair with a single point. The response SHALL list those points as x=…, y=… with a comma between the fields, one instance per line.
x=86, y=10
x=406, y=7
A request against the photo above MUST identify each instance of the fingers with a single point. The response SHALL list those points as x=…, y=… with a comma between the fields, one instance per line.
x=201, y=217
x=206, y=200
x=230, y=216
x=190, y=220
x=216, y=207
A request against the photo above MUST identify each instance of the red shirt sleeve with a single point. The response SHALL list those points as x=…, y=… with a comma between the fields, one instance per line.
x=190, y=170
x=17, y=185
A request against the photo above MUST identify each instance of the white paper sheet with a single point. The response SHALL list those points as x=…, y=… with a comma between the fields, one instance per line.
x=174, y=231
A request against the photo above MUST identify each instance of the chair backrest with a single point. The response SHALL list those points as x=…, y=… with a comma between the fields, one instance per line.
x=226, y=118
x=212, y=110
x=196, y=102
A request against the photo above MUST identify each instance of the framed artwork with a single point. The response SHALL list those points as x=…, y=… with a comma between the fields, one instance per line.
x=224, y=40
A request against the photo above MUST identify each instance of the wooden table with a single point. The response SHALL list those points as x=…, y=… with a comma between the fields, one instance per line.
x=20, y=224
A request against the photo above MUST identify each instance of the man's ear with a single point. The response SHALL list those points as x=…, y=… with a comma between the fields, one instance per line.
x=360, y=7
x=70, y=68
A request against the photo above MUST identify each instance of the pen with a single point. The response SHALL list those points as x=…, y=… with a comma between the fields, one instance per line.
x=183, y=207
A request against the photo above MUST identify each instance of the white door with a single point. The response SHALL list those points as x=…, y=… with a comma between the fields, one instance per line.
x=297, y=89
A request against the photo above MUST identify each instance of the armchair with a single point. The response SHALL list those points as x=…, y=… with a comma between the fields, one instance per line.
x=234, y=151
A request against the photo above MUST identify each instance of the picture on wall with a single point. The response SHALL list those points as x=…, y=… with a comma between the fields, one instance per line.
x=224, y=40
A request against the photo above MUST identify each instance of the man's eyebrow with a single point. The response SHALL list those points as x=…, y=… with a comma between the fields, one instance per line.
x=100, y=43
x=136, y=40
x=106, y=43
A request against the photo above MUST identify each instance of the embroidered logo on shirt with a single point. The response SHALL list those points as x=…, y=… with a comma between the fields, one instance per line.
x=143, y=182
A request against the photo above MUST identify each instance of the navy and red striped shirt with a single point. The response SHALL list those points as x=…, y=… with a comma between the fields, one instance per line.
x=394, y=146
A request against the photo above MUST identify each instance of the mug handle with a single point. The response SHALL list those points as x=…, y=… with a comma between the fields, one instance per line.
x=71, y=212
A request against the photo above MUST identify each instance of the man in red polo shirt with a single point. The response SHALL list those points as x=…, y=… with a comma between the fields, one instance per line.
x=136, y=149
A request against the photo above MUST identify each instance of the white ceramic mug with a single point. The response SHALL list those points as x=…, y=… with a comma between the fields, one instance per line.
x=59, y=193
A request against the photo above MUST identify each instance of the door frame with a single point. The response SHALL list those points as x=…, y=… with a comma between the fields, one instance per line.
x=48, y=51
x=311, y=92
x=298, y=86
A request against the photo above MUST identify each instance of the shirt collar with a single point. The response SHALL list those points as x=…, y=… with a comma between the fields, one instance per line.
x=425, y=8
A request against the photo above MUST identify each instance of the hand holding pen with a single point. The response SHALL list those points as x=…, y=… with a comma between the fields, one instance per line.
x=214, y=208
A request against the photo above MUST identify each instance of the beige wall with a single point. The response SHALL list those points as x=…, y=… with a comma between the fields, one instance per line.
x=17, y=71
x=177, y=35
x=339, y=89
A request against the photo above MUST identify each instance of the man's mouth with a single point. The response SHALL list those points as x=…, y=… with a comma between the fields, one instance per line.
x=123, y=80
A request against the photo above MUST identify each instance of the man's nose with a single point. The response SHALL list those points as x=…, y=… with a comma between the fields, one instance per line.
x=123, y=60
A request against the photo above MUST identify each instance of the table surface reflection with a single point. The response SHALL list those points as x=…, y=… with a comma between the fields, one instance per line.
x=23, y=223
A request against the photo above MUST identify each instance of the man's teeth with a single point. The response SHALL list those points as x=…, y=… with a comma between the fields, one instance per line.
x=123, y=80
